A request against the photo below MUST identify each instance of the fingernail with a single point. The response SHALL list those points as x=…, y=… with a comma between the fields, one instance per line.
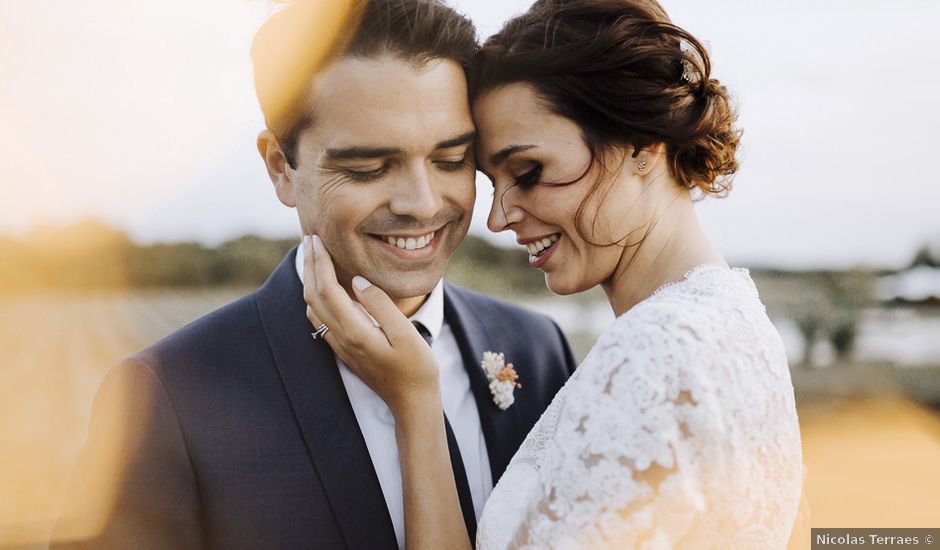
x=360, y=283
x=307, y=248
x=315, y=244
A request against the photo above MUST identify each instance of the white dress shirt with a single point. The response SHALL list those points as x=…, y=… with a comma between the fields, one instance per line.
x=378, y=425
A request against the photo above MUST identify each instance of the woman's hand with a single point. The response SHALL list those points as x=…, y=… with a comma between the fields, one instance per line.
x=388, y=353
x=390, y=356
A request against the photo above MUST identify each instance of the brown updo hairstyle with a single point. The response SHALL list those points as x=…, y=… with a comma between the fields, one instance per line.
x=627, y=76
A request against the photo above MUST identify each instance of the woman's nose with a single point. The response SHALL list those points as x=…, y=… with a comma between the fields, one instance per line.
x=503, y=212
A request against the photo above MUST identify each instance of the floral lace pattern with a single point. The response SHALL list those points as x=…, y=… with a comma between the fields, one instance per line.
x=679, y=430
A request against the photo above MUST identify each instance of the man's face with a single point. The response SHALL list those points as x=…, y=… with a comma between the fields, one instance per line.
x=385, y=173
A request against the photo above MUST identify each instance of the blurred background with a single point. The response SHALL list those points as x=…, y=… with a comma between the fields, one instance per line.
x=132, y=201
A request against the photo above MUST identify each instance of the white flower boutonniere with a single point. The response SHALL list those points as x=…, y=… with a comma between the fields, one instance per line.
x=502, y=379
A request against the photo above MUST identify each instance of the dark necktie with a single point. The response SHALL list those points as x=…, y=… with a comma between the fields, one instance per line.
x=456, y=462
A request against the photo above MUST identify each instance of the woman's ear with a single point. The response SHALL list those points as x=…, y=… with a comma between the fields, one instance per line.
x=645, y=160
x=278, y=169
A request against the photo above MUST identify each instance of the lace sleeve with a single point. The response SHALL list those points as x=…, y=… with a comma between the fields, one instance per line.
x=624, y=471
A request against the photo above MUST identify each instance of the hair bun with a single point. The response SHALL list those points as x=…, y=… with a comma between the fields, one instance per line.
x=627, y=75
x=707, y=160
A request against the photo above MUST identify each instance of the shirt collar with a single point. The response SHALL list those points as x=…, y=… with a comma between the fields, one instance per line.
x=430, y=314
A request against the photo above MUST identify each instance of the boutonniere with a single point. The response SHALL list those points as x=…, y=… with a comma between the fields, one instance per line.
x=502, y=379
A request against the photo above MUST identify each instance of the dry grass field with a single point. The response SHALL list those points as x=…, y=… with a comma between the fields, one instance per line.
x=873, y=462
x=54, y=351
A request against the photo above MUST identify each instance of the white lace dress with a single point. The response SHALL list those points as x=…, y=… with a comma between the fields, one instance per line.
x=678, y=430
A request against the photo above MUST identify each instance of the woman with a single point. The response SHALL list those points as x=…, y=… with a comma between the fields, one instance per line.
x=598, y=125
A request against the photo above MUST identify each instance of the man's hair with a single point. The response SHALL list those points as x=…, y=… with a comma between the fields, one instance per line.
x=307, y=35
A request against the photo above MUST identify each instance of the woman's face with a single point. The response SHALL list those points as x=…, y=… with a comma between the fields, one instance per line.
x=522, y=144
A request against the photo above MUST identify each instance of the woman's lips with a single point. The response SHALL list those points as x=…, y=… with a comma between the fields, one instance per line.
x=539, y=261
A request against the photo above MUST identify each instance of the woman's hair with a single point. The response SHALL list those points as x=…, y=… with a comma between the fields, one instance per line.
x=627, y=76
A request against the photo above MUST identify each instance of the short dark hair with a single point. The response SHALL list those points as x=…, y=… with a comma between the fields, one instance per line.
x=297, y=41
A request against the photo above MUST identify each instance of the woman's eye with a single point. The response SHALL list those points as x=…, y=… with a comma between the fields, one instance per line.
x=530, y=178
x=367, y=175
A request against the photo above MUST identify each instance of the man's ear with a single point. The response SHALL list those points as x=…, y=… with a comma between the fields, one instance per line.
x=278, y=169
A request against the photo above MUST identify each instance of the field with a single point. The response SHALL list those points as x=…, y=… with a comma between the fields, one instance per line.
x=873, y=461
x=55, y=349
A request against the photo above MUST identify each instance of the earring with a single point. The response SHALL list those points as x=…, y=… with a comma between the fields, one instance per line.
x=642, y=165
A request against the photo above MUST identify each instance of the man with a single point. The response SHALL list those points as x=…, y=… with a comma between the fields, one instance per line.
x=242, y=431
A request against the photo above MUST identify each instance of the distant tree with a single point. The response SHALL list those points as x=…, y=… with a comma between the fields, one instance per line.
x=842, y=335
x=247, y=260
x=170, y=265
x=84, y=255
x=849, y=293
x=92, y=255
x=486, y=267
x=829, y=304
x=809, y=324
x=925, y=257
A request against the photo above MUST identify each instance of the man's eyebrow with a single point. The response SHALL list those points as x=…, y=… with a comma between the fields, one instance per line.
x=500, y=156
x=347, y=153
x=462, y=139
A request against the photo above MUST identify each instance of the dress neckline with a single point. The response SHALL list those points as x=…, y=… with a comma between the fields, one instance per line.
x=698, y=271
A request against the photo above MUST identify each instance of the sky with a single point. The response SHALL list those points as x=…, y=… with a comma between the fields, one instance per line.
x=143, y=115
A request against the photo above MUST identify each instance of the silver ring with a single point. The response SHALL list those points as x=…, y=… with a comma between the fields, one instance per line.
x=320, y=333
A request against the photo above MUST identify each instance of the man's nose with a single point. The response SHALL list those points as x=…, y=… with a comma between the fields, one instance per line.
x=416, y=196
x=503, y=212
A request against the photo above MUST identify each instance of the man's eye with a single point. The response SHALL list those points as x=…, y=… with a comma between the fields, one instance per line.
x=367, y=175
x=452, y=165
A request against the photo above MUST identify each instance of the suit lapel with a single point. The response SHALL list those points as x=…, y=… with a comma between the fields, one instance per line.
x=325, y=417
x=473, y=338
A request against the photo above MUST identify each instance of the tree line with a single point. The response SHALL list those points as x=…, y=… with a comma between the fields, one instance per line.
x=93, y=256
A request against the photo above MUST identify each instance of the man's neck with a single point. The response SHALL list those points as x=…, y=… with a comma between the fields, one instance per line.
x=409, y=306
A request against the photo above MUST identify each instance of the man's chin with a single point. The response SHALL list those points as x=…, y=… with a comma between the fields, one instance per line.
x=409, y=292
x=408, y=287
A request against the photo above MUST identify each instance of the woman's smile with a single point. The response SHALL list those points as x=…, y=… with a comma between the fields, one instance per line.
x=541, y=248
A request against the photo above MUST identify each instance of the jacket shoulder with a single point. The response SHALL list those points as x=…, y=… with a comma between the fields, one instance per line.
x=223, y=333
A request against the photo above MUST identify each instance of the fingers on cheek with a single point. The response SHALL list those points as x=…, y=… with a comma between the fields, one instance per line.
x=310, y=296
x=323, y=294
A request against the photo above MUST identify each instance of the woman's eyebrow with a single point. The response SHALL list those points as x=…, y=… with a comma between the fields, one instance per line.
x=500, y=156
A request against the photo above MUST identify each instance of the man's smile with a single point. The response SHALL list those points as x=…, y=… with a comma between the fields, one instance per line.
x=408, y=242
x=411, y=245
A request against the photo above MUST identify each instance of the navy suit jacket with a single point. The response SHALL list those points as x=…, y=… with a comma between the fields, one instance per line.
x=236, y=431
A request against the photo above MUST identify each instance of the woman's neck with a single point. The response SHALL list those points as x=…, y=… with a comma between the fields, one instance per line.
x=674, y=244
